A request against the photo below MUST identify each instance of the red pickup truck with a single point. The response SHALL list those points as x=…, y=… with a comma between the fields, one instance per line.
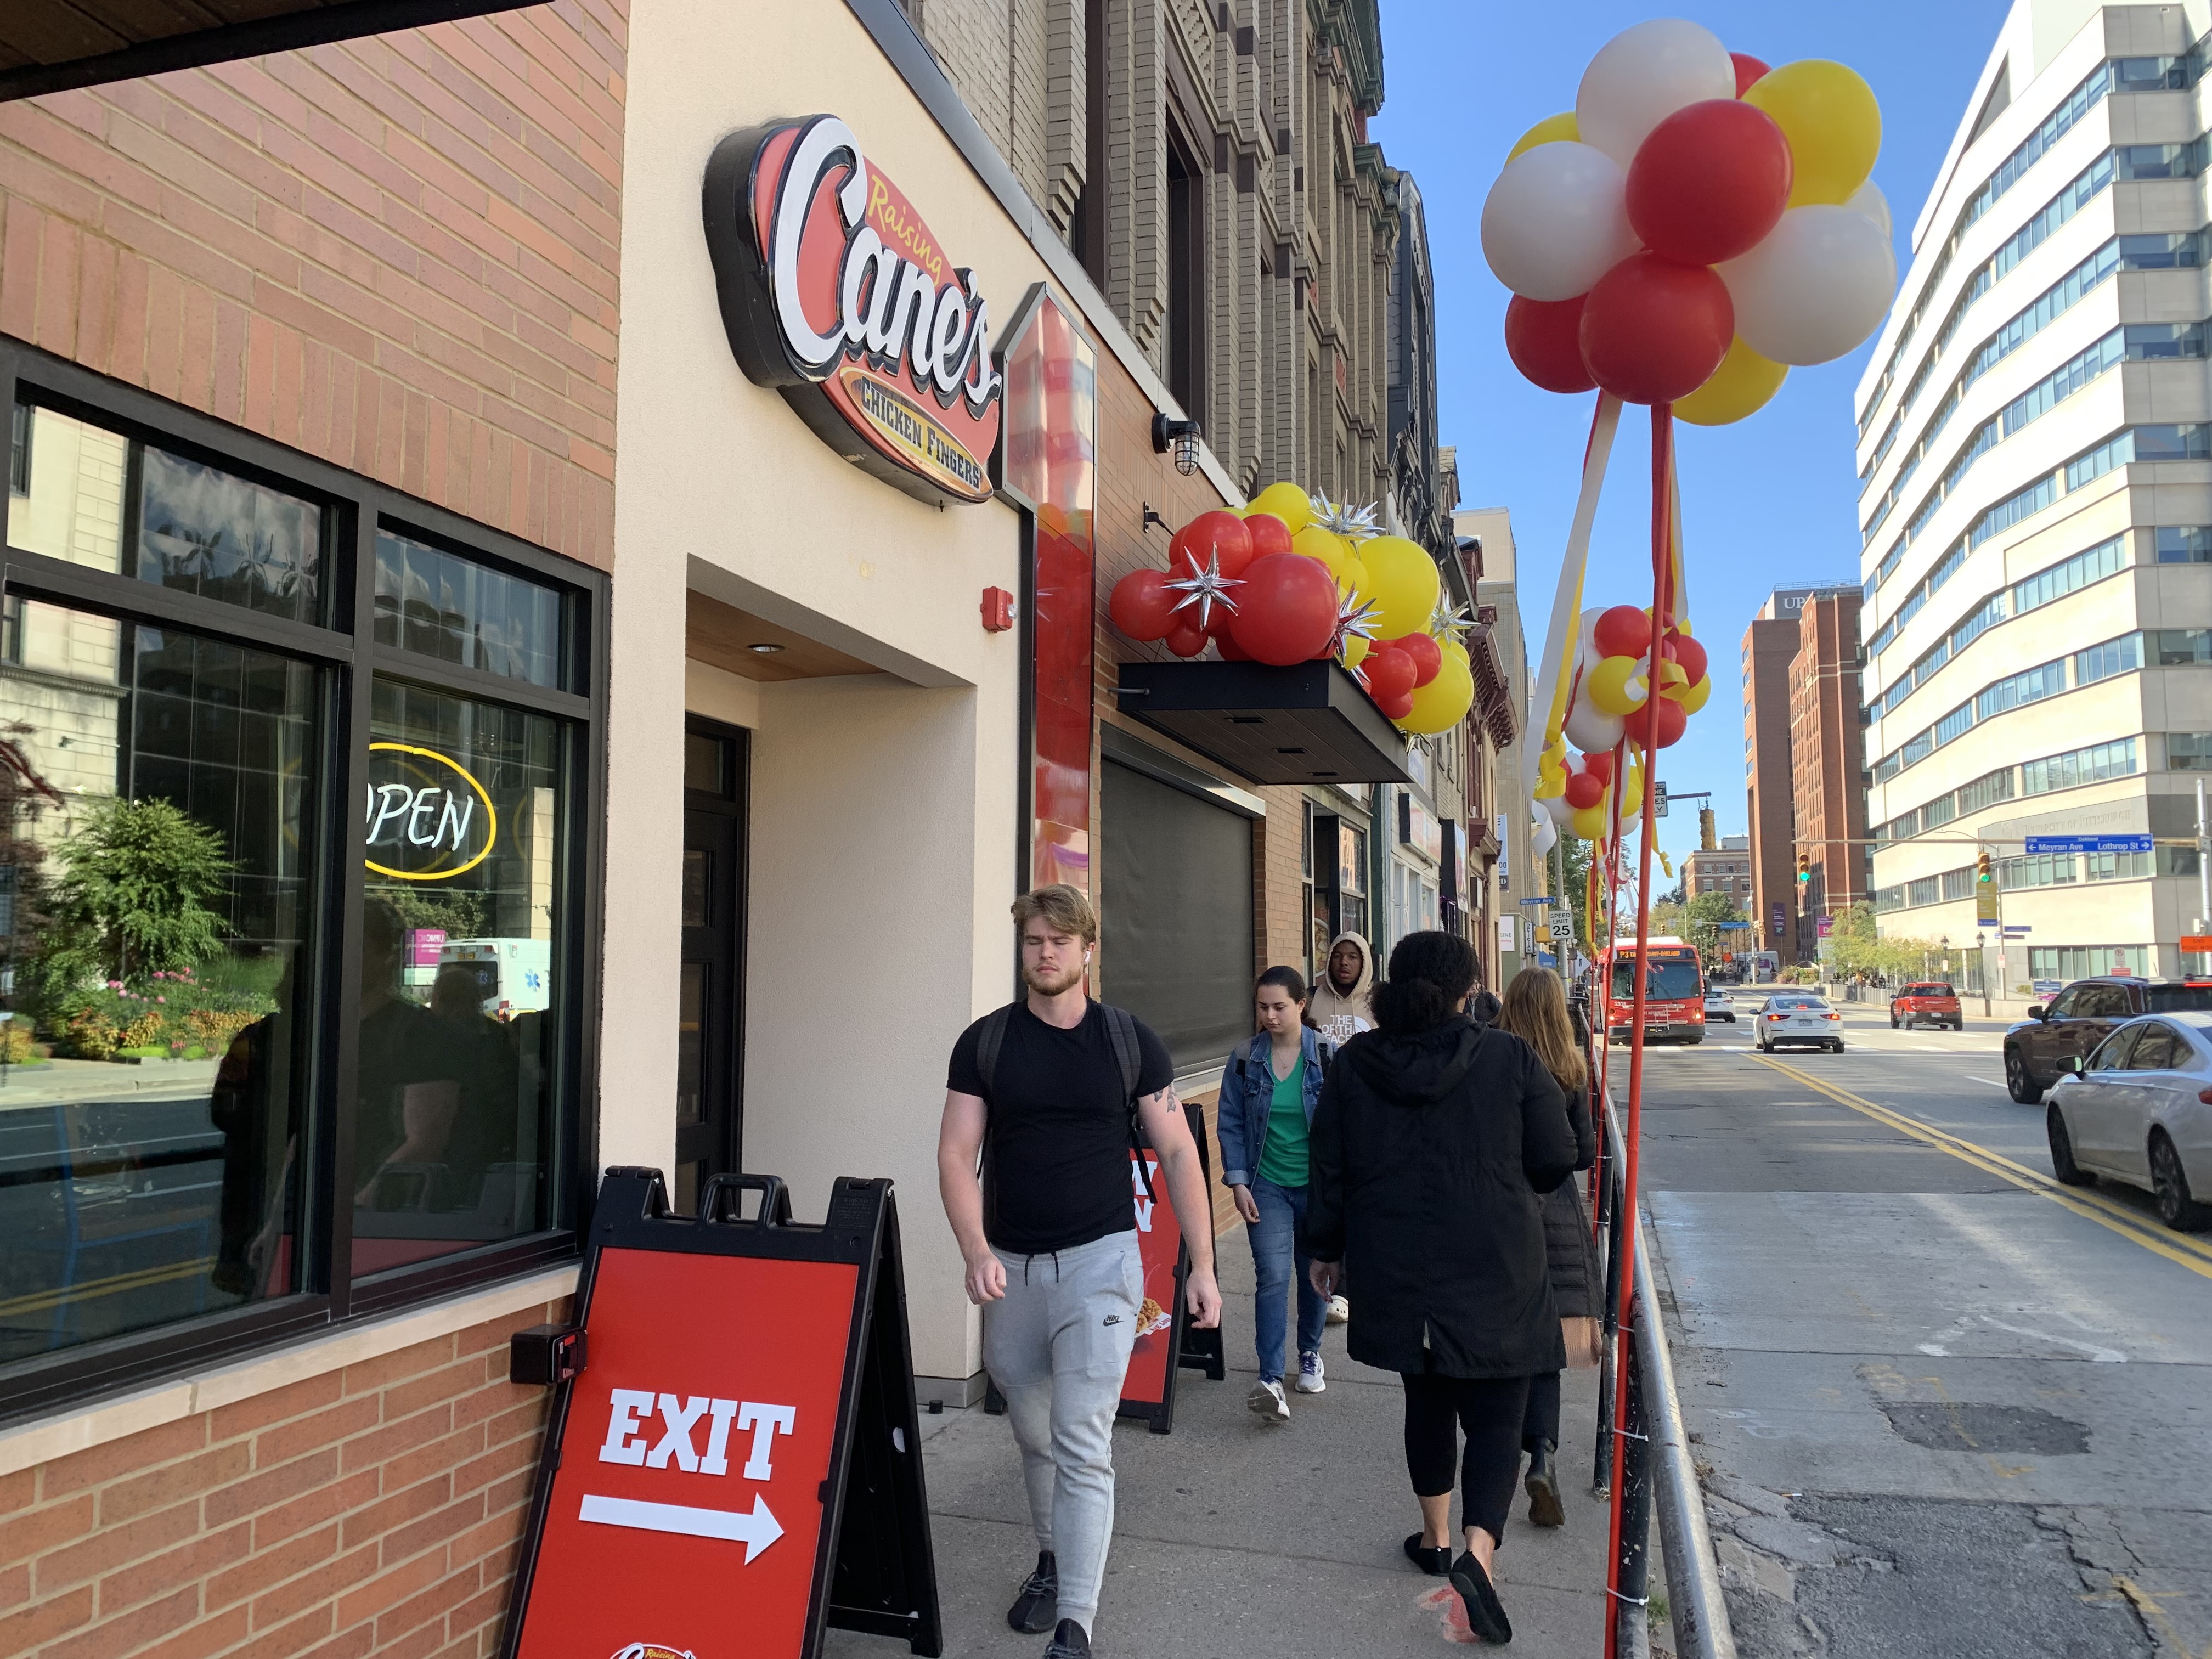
x=1931, y=1002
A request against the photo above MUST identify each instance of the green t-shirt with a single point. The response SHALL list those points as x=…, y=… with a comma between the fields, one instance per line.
x=1283, y=1160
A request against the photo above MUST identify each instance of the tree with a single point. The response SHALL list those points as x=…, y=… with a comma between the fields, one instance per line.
x=135, y=894
x=1703, y=917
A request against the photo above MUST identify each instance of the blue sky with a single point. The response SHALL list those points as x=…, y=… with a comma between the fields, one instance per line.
x=1767, y=503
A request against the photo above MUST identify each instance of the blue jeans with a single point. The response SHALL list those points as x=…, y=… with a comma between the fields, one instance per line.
x=1274, y=1251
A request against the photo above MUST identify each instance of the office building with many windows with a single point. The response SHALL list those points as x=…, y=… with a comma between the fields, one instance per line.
x=2035, y=446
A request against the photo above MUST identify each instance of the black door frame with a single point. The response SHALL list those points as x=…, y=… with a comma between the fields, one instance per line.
x=726, y=1056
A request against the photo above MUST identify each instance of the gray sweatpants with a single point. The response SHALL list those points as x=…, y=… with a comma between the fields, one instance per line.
x=1058, y=1347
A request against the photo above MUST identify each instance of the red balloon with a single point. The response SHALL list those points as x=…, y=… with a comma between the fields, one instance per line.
x=1690, y=654
x=1653, y=331
x=1583, y=790
x=1390, y=673
x=1140, y=605
x=1268, y=534
x=1747, y=69
x=1541, y=339
x=1622, y=631
x=1397, y=709
x=1226, y=643
x=1220, y=534
x=1710, y=182
x=1217, y=624
x=1428, y=656
x=1672, y=722
x=1286, y=610
x=1186, y=639
x=1599, y=766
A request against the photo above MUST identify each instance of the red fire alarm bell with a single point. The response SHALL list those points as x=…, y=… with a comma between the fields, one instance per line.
x=998, y=609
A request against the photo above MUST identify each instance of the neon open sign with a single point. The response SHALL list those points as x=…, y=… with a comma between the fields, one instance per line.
x=427, y=817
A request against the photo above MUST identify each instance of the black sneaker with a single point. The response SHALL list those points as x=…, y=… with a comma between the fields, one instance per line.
x=1069, y=1641
x=1033, y=1608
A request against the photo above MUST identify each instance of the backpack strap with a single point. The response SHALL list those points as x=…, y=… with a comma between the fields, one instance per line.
x=988, y=1042
x=1121, y=1033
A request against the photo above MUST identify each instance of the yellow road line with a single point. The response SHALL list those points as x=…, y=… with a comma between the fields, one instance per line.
x=46, y=1301
x=2186, y=1252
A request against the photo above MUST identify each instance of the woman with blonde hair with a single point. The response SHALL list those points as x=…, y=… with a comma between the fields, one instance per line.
x=1535, y=1010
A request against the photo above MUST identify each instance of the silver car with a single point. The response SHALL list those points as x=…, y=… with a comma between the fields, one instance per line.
x=1797, y=1017
x=2139, y=1111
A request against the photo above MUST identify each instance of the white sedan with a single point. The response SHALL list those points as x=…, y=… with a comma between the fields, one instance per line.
x=1717, y=1006
x=2139, y=1111
x=1797, y=1018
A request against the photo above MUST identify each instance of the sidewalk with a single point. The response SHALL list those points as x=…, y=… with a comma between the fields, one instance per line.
x=1233, y=1538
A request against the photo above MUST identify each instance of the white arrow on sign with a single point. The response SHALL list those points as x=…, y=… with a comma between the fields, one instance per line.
x=755, y=1531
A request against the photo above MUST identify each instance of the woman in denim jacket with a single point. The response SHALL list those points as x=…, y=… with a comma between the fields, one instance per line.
x=1268, y=1092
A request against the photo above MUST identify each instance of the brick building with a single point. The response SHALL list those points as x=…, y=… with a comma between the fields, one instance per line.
x=1827, y=753
x=375, y=416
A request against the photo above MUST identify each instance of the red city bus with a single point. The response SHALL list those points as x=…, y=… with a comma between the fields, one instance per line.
x=1674, y=992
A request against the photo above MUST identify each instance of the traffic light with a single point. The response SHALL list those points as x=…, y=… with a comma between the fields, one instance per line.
x=1982, y=872
x=1804, y=866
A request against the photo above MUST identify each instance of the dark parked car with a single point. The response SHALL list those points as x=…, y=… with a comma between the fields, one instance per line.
x=1926, y=1002
x=2037, y=1050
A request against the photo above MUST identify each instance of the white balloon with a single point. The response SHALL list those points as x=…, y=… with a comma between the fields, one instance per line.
x=1554, y=808
x=1816, y=287
x=1869, y=200
x=1643, y=75
x=1543, y=837
x=1591, y=730
x=1586, y=651
x=1556, y=221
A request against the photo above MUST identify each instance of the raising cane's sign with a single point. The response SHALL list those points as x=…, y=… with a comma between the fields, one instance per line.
x=833, y=292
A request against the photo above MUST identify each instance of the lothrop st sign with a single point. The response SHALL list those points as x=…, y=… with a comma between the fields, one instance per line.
x=833, y=292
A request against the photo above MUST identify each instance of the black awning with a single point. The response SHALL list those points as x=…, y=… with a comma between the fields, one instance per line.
x=1309, y=723
x=49, y=46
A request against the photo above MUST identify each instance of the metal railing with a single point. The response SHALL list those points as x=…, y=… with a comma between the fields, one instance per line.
x=1656, y=1465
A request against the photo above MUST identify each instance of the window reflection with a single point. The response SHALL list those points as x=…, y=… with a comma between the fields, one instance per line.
x=452, y=1145
x=459, y=610
x=155, y=837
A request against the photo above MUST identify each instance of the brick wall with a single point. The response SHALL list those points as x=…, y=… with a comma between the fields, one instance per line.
x=397, y=254
x=374, y=1510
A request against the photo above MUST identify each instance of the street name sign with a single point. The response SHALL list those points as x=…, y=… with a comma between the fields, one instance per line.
x=2037, y=844
x=737, y=1460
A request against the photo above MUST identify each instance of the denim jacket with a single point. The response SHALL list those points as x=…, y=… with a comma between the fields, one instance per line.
x=1248, y=1092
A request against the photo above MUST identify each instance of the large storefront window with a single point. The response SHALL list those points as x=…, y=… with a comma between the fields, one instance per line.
x=294, y=984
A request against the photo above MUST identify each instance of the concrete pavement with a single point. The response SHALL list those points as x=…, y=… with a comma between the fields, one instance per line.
x=1233, y=1538
x=1942, y=1407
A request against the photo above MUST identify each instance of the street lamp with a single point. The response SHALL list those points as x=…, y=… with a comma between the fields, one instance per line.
x=1946, y=943
x=1980, y=950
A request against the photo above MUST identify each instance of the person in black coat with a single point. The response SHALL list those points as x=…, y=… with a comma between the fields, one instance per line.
x=1432, y=1140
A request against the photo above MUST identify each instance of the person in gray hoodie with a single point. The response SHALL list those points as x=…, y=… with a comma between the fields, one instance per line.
x=1343, y=990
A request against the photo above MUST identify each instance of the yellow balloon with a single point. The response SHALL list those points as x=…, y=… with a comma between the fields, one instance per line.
x=1693, y=697
x=1353, y=583
x=1402, y=582
x=1741, y=385
x=1356, y=647
x=1443, y=701
x=1455, y=646
x=1833, y=125
x=1326, y=545
x=1287, y=502
x=1550, y=131
x=1631, y=797
x=1607, y=687
x=1589, y=823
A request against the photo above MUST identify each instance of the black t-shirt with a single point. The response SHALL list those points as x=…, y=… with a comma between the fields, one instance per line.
x=1056, y=1149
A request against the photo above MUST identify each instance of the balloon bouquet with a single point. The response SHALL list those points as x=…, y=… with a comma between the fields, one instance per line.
x=1697, y=225
x=1294, y=578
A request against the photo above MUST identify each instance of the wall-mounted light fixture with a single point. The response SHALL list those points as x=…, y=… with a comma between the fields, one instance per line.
x=1181, y=436
x=766, y=648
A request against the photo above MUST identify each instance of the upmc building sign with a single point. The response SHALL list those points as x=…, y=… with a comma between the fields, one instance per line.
x=833, y=292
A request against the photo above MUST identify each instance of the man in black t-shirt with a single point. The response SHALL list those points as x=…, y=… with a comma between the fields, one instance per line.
x=1050, y=1240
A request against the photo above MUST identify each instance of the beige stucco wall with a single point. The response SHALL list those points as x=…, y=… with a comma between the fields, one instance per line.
x=883, y=806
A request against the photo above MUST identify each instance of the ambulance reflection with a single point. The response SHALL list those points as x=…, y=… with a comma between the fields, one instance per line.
x=448, y=1111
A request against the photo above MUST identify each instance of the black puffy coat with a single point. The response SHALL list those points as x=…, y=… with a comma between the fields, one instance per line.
x=1429, y=1152
x=1577, y=1280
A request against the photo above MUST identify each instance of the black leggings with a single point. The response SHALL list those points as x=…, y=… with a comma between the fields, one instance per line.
x=1542, y=1422
x=1489, y=1410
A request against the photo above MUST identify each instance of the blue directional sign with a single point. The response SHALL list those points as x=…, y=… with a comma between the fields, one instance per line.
x=2088, y=844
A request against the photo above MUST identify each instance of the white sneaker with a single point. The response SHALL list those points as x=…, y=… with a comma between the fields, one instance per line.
x=1310, y=1374
x=1266, y=1399
x=1339, y=1310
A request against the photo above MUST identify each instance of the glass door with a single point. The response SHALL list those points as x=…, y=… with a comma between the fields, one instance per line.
x=710, y=998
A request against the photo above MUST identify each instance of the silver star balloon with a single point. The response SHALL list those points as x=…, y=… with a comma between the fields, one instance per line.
x=1354, y=619
x=1446, y=623
x=1355, y=523
x=1205, y=589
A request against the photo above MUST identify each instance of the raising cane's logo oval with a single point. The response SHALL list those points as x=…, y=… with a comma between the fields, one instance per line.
x=833, y=292
x=653, y=1650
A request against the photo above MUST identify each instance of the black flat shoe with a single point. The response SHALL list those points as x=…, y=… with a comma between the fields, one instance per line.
x=1434, y=1562
x=1542, y=1486
x=1485, y=1613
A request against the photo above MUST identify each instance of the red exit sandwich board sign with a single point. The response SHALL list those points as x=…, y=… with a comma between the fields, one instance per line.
x=738, y=1463
x=1166, y=1345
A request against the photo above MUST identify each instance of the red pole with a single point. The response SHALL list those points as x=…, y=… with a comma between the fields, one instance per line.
x=1662, y=601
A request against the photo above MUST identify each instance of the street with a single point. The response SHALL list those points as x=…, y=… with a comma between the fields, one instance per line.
x=1942, y=1404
